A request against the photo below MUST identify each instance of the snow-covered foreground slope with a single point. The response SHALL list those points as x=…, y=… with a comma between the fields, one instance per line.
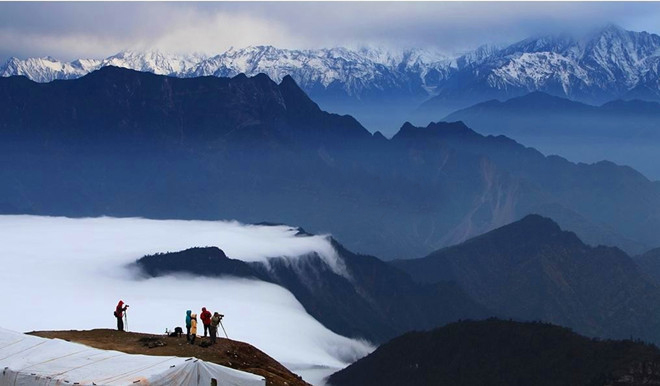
x=60, y=273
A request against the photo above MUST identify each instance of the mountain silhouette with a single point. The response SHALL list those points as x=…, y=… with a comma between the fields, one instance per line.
x=498, y=352
x=622, y=131
x=123, y=143
x=369, y=300
x=533, y=270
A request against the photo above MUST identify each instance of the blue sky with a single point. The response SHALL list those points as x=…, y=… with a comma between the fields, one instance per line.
x=99, y=29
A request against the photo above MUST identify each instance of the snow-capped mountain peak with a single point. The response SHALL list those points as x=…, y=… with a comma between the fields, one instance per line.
x=598, y=66
x=353, y=71
x=47, y=68
x=154, y=61
x=605, y=64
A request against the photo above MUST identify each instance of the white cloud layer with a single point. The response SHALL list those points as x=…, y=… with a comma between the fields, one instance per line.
x=60, y=273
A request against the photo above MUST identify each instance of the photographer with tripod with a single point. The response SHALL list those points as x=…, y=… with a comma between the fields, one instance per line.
x=213, y=327
x=119, y=314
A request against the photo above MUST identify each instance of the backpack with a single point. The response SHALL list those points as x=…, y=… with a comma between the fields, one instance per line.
x=114, y=313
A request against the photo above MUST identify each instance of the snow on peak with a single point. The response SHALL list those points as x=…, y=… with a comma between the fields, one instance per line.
x=353, y=70
x=154, y=61
x=48, y=69
x=607, y=62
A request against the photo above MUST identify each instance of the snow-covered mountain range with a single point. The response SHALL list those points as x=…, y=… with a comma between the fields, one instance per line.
x=380, y=86
x=607, y=64
x=356, y=72
x=48, y=69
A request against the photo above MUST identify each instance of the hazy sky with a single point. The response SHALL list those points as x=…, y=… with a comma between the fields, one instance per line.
x=100, y=29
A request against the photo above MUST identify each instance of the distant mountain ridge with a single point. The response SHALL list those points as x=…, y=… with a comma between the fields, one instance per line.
x=369, y=299
x=527, y=270
x=47, y=69
x=125, y=143
x=354, y=70
x=382, y=87
x=626, y=132
x=610, y=63
x=649, y=263
x=338, y=78
x=166, y=111
x=533, y=270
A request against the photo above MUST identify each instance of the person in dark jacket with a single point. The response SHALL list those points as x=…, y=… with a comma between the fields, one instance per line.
x=119, y=314
x=205, y=316
x=213, y=327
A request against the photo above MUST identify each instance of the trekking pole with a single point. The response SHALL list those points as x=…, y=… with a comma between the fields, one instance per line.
x=223, y=329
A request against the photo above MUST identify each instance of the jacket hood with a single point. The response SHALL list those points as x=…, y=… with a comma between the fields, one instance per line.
x=188, y=312
x=203, y=308
x=121, y=303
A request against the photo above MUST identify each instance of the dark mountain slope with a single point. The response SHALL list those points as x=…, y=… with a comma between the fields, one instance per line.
x=495, y=352
x=367, y=298
x=208, y=261
x=381, y=87
x=626, y=132
x=142, y=108
x=533, y=270
x=542, y=114
x=123, y=143
x=649, y=264
x=512, y=181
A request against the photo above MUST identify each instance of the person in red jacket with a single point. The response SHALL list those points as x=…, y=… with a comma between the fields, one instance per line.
x=119, y=314
x=205, y=316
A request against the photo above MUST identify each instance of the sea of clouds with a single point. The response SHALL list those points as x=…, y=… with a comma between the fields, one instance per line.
x=62, y=274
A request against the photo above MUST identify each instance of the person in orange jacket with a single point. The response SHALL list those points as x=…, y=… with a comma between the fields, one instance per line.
x=193, y=328
x=206, y=319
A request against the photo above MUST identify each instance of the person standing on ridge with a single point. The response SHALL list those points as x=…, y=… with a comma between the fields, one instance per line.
x=188, y=325
x=206, y=319
x=119, y=314
x=193, y=328
x=213, y=328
